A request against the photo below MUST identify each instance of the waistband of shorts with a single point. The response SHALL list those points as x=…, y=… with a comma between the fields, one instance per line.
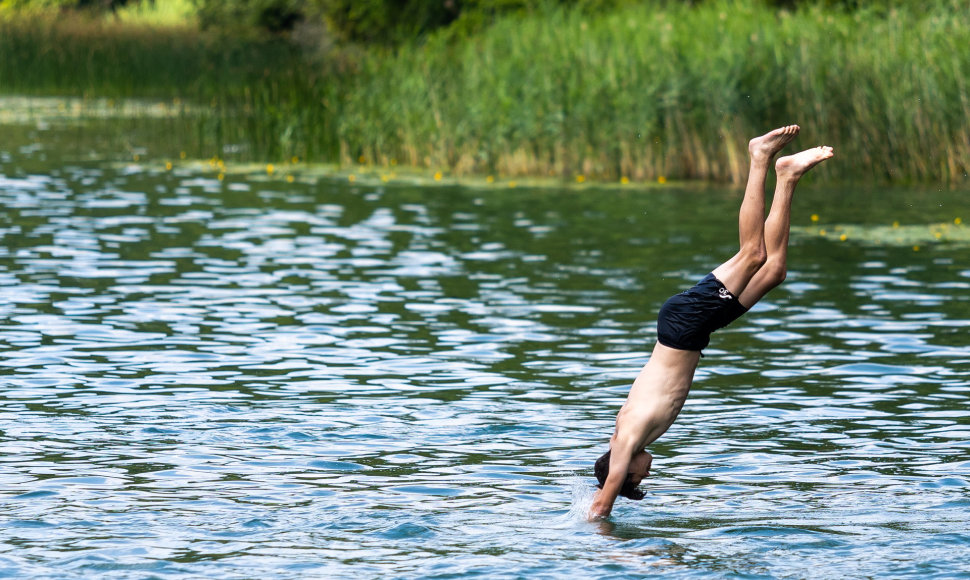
x=731, y=294
x=720, y=284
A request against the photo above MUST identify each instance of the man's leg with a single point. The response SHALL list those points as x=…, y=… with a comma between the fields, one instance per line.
x=789, y=170
x=737, y=272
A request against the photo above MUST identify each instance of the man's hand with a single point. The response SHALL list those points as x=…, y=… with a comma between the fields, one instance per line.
x=601, y=508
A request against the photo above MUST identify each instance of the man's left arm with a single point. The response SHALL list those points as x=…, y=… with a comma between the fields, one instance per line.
x=604, y=499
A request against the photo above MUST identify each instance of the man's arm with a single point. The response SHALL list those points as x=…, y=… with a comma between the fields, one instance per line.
x=657, y=395
x=603, y=500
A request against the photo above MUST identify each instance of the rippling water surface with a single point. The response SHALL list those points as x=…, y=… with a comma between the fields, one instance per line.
x=262, y=379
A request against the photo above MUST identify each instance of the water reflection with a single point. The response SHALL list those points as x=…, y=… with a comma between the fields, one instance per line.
x=253, y=377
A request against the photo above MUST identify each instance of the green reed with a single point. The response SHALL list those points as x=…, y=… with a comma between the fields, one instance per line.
x=645, y=93
x=641, y=93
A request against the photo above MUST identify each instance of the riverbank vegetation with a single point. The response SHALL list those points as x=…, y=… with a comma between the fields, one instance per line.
x=612, y=91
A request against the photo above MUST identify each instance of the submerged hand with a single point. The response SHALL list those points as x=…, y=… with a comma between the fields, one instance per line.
x=600, y=509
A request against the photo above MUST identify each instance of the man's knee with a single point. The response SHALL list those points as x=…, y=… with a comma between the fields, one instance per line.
x=775, y=272
x=755, y=256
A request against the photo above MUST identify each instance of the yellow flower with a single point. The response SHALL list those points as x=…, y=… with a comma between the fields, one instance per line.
x=168, y=166
x=814, y=218
x=361, y=160
x=489, y=179
x=393, y=162
x=957, y=221
x=937, y=235
x=624, y=180
x=580, y=178
x=181, y=154
x=289, y=179
x=822, y=232
x=512, y=184
x=137, y=157
x=385, y=178
x=351, y=178
x=895, y=225
x=270, y=169
x=437, y=176
x=295, y=160
x=915, y=248
x=843, y=238
x=661, y=179
x=221, y=176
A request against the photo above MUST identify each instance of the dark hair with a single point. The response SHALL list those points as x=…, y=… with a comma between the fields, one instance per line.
x=602, y=469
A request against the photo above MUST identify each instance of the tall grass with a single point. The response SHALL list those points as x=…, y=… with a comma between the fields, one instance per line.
x=262, y=92
x=677, y=92
x=638, y=93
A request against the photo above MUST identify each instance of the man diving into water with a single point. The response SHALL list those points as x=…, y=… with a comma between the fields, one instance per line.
x=687, y=320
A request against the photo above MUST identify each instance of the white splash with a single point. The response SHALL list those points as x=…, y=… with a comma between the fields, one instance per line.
x=582, y=492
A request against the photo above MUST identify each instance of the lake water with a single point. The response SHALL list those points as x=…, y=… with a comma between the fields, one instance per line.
x=253, y=378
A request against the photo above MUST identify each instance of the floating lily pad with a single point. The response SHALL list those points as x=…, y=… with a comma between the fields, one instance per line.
x=889, y=235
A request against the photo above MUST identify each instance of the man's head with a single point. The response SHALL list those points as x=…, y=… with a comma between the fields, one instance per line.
x=639, y=468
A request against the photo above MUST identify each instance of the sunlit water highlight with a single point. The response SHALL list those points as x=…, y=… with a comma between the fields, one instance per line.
x=254, y=378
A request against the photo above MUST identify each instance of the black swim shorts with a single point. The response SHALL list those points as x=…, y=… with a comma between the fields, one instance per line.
x=687, y=320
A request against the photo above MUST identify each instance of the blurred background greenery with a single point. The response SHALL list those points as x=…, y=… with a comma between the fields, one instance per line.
x=610, y=90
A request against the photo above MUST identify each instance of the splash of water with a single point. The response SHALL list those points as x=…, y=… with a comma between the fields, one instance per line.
x=582, y=500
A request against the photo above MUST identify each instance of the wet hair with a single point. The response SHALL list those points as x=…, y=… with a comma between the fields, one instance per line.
x=602, y=469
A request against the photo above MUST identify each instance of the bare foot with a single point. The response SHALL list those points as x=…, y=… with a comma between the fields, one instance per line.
x=794, y=166
x=764, y=148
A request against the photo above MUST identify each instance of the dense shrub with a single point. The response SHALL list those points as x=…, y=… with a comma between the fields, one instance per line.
x=267, y=15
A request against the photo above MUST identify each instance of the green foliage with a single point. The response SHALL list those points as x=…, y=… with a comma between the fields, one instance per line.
x=392, y=22
x=29, y=6
x=41, y=6
x=397, y=21
x=267, y=15
x=388, y=20
x=158, y=12
x=629, y=92
x=853, y=5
